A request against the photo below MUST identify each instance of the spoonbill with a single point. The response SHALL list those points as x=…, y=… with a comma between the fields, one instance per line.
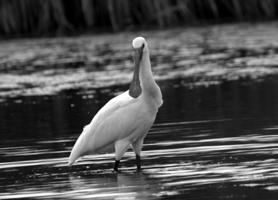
x=125, y=120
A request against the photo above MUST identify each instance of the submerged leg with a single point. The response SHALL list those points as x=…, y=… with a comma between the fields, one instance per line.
x=137, y=146
x=120, y=148
x=116, y=165
x=138, y=162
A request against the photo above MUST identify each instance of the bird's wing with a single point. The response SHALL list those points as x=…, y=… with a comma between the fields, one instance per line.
x=113, y=105
x=114, y=121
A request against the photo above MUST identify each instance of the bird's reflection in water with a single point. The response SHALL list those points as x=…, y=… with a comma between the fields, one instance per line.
x=121, y=185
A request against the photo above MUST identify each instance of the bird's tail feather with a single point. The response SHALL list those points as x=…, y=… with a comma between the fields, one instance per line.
x=79, y=147
x=74, y=155
x=70, y=162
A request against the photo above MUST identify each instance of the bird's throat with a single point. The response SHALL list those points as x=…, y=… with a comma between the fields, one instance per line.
x=135, y=89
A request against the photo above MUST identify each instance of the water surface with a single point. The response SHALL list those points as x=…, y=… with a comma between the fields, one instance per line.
x=210, y=142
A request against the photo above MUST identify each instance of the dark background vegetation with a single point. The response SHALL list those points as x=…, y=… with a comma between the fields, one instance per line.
x=60, y=17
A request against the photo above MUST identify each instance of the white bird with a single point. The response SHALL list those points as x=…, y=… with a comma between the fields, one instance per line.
x=126, y=119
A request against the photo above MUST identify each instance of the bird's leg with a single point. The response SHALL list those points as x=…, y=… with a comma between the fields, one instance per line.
x=137, y=146
x=120, y=148
x=138, y=162
x=116, y=165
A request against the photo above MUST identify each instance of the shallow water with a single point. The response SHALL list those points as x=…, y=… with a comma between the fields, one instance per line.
x=211, y=142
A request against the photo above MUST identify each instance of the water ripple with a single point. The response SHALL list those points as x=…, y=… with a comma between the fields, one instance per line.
x=177, y=165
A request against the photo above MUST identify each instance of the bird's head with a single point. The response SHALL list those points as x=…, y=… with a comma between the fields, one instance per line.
x=138, y=42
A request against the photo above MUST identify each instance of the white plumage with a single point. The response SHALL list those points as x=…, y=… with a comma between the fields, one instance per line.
x=126, y=119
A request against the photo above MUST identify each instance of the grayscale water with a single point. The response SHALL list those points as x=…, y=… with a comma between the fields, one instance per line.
x=215, y=137
x=215, y=142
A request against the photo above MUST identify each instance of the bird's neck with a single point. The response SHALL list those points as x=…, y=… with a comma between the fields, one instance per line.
x=148, y=84
x=146, y=75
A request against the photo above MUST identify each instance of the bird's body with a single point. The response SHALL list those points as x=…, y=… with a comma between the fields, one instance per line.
x=124, y=120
